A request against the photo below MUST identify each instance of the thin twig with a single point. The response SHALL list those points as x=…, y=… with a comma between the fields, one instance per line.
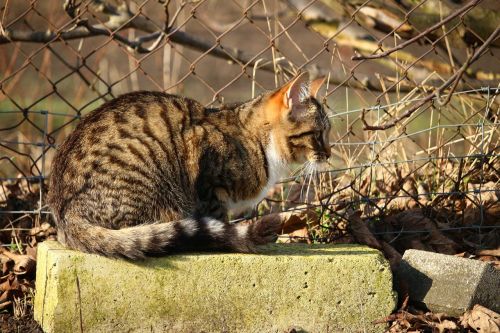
x=453, y=79
x=424, y=33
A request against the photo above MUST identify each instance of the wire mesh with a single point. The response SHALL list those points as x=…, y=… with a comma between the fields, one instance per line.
x=412, y=91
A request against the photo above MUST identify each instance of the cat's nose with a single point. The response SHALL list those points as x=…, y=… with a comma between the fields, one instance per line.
x=328, y=151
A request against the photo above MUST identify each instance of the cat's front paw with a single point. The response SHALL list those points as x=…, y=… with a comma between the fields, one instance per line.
x=265, y=231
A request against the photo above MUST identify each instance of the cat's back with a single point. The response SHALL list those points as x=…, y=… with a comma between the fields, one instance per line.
x=133, y=116
x=135, y=136
x=141, y=107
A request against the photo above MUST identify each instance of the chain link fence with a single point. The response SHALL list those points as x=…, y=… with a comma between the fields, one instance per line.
x=412, y=93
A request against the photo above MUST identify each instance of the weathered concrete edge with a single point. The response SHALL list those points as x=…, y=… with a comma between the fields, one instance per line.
x=41, y=284
x=50, y=254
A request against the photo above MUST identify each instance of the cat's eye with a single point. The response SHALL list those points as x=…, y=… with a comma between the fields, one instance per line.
x=303, y=134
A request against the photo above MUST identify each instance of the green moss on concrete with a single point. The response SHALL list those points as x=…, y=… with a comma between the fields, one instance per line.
x=318, y=288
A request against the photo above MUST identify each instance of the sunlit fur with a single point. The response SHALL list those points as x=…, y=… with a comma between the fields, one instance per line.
x=150, y=173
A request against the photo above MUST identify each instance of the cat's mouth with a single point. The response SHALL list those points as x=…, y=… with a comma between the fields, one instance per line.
x=318, y=158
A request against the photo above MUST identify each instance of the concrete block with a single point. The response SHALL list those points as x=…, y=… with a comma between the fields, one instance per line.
x=450, y=284
x=316, y=288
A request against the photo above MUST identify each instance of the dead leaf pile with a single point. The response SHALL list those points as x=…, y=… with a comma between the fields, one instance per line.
x=17, y=277
x=19, y=236
x=492, y=256
x=481, y=319
x=477, y=320
x=404, y=321
x=395, y=208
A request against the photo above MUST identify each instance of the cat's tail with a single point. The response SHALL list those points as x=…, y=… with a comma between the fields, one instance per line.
x=165, y=237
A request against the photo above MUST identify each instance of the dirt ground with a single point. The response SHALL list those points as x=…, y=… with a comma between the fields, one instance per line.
x=25, y=324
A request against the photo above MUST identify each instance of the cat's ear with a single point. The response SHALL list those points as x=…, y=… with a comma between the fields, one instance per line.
x=288, y=100
x=295, y=91
x=315, y=86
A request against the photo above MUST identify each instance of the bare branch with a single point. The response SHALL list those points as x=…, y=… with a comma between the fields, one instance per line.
x=436, y=93
x=121, y=18
x=424, y=33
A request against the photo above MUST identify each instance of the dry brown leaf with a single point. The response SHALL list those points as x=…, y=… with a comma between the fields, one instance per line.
x=391, y=254
x=300, y=235
x=31, y=251
x=397, y=203
x=487, y=258
x=481, y=320
x=489, y=215
x=298, y=220
x=484, y=193
x=386, y=319
x=11, y=283
x=446, y=325
x=368, y=210
x=23, y=263
x=5, y=296
x=492, y=252
x=6, y=285
x=361, y=232
x=414, y=220
x=294, y=220
x=44, y=230
x=5, y=304
x=6, y=263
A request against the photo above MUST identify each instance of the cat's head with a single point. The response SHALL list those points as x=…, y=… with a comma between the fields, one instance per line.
x=300, y=126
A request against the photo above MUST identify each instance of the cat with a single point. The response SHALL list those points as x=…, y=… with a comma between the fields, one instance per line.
x=149, y=173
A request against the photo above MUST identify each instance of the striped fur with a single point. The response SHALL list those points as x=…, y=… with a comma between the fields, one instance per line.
x=150, y=173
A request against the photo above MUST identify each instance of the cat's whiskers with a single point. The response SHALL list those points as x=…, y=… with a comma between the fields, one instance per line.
x=298, y=171
x=312, y=178
x=308, y=174
x=297, y=174
x=304, y=176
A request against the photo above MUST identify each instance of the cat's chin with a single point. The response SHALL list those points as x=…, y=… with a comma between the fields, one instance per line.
x=318, y=159
x=319, y=163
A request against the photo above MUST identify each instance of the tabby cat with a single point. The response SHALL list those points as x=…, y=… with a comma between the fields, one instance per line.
x=149, y=173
